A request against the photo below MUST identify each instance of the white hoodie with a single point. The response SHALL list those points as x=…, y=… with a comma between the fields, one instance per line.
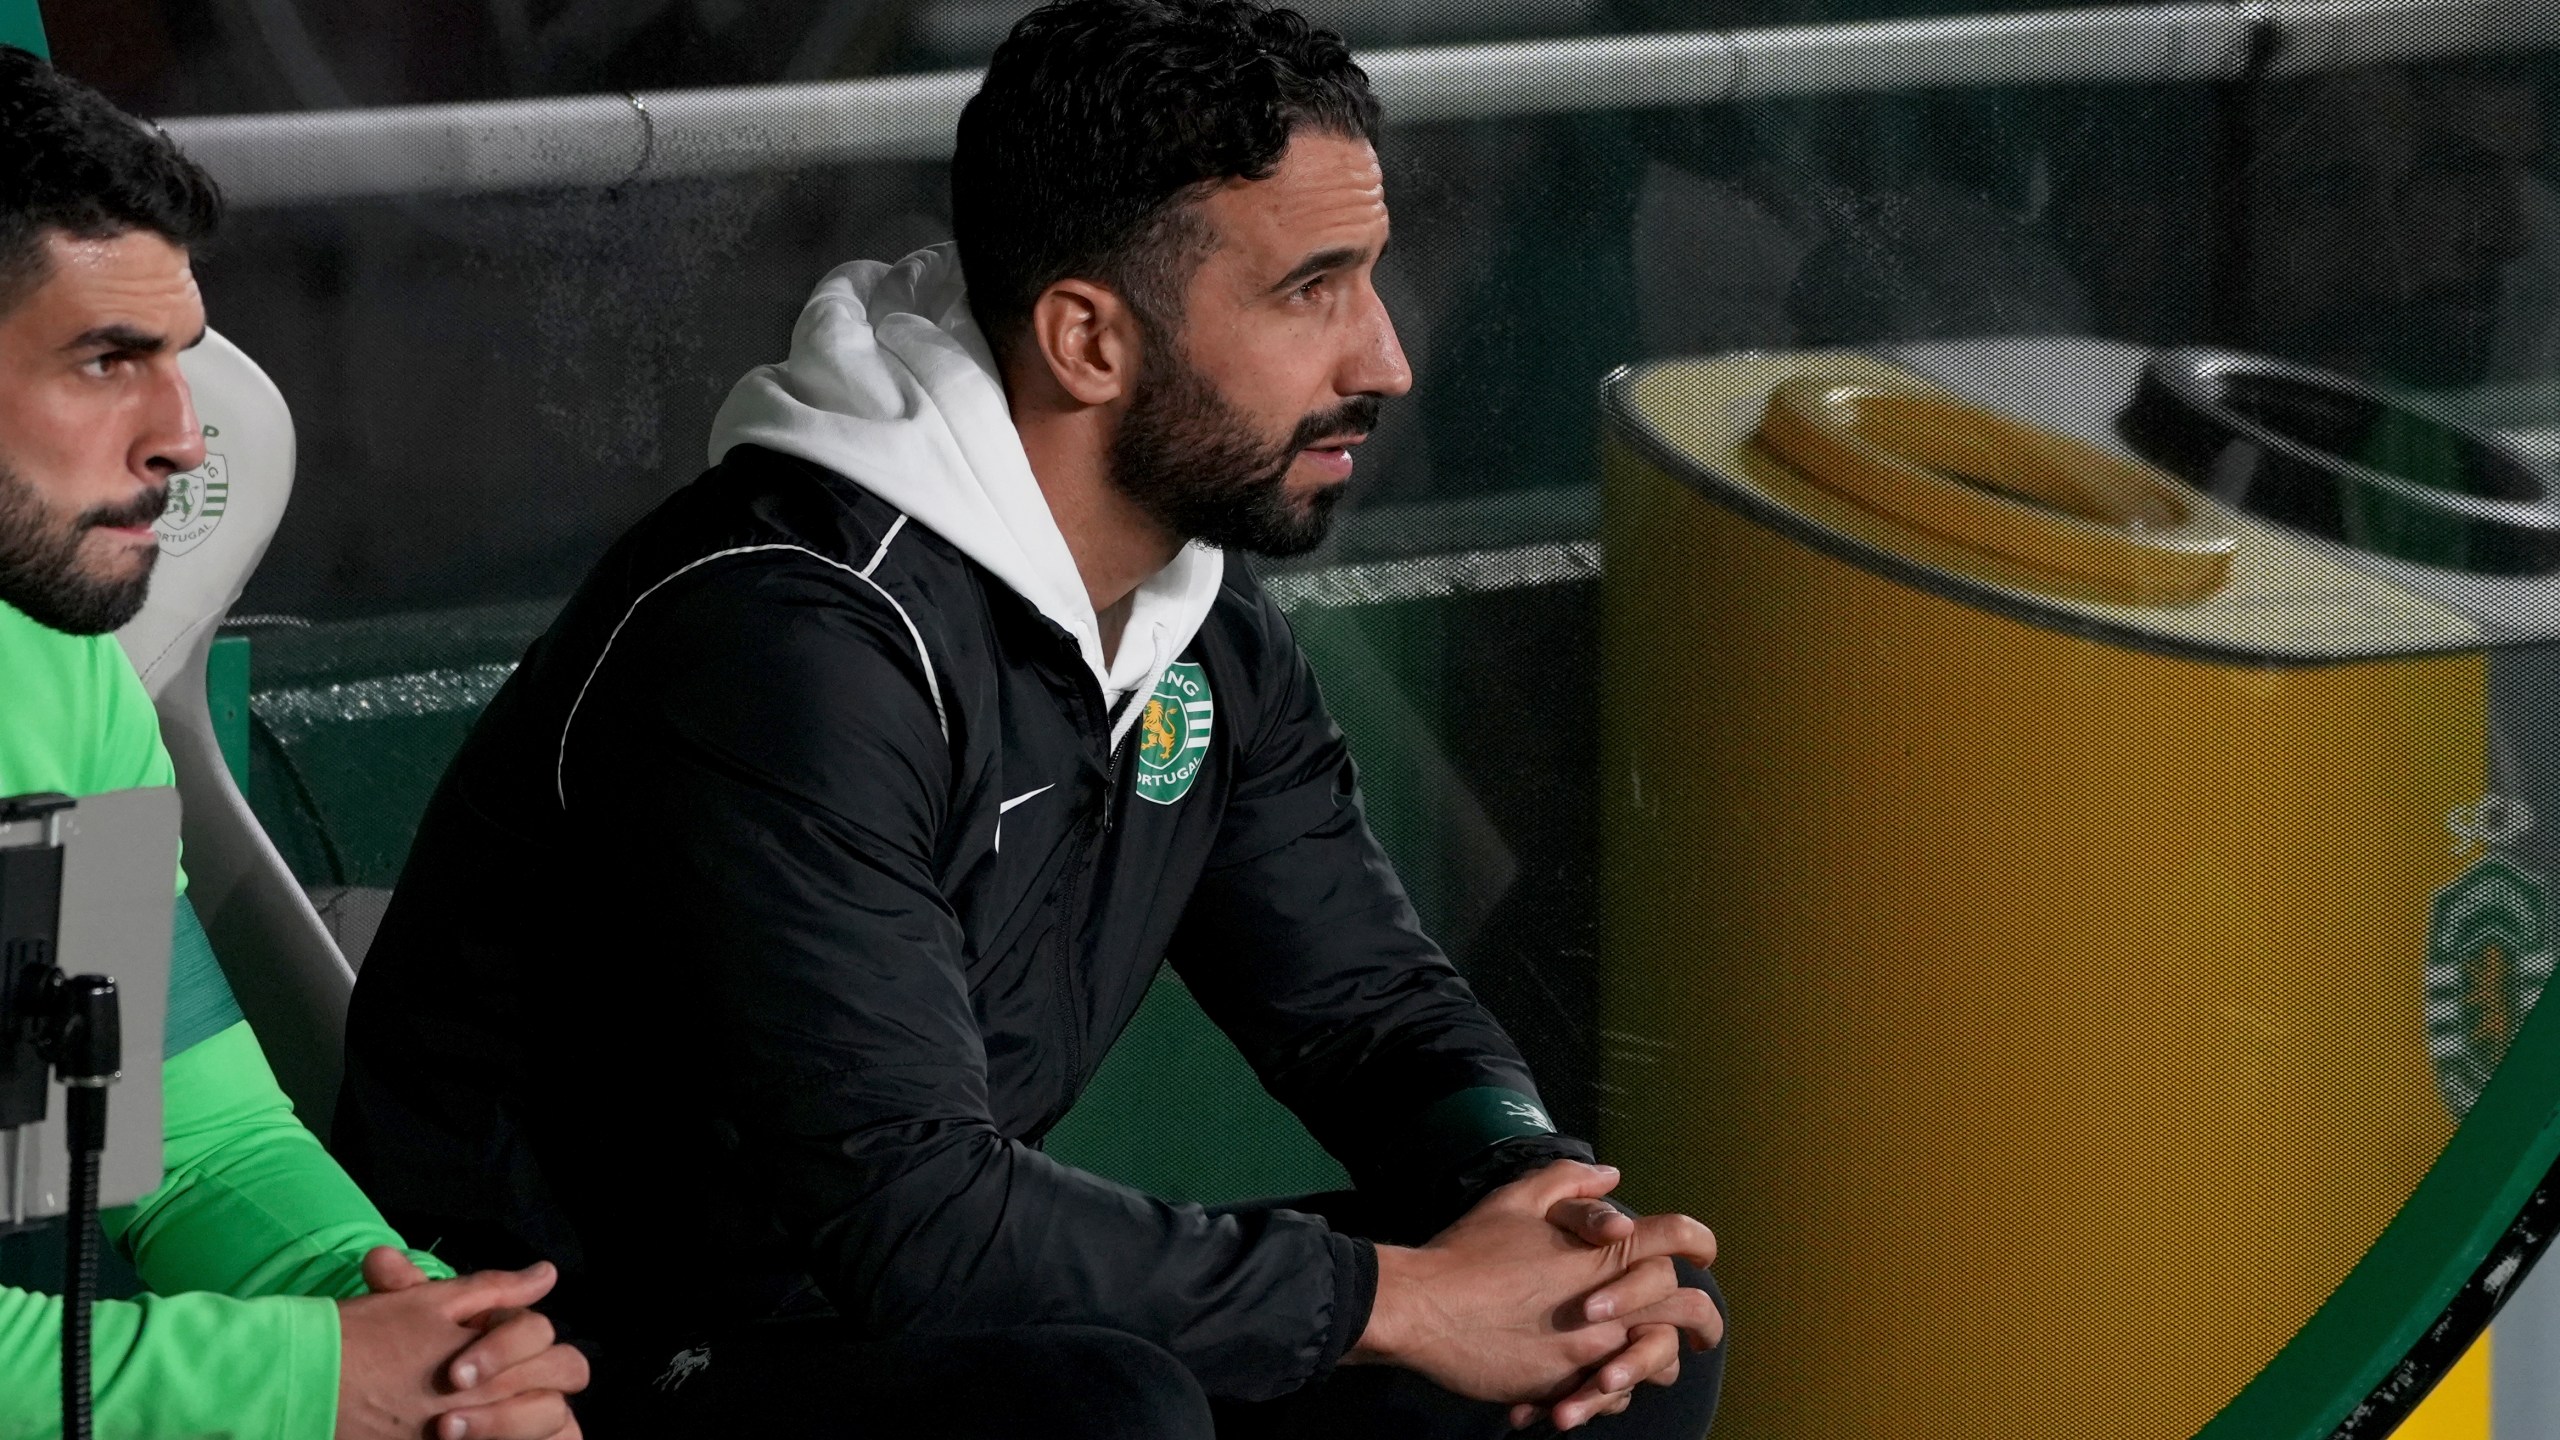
x=891, y=384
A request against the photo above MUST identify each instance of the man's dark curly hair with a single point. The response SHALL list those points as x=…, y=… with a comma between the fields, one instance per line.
x=1102, y=121
x=70, y=161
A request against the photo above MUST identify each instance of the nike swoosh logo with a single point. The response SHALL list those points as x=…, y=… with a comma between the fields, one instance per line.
x=1007, y=806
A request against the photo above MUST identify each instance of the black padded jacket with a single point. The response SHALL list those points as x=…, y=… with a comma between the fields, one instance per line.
x=791, y=889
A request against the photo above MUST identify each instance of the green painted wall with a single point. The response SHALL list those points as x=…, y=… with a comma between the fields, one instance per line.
x=22, y=26
x=1176, y=1112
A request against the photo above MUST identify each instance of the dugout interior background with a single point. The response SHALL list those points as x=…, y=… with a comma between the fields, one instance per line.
x=488, y=387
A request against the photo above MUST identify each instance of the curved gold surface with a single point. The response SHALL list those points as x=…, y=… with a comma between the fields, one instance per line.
x=1991, y=483
x=1990, y=955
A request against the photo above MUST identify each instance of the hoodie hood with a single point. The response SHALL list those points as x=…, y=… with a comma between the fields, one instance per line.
x=891, y=384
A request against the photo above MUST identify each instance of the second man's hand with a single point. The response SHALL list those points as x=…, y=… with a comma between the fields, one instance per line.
x=1653, y=1350
x=1534, y=1299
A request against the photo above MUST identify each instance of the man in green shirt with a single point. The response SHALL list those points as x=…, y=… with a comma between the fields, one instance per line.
x=281, y=1305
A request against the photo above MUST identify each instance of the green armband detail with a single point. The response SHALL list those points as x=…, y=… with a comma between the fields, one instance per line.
x=201, y=1004
x=1459, y=1127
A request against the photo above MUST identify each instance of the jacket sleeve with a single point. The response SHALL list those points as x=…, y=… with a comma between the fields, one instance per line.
x=797, y=777
x=1300, y=943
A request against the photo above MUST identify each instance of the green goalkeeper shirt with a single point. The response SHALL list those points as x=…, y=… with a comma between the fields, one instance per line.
x=254, y=1231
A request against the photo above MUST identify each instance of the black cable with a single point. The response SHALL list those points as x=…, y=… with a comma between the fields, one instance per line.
x=87, y=1048
x=86, y=1112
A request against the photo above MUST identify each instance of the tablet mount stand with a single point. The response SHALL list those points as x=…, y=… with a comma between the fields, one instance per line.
x=61, y=1026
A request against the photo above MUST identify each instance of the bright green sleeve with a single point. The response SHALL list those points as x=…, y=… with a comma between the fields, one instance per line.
x=176, y=1367
x=251, y=1205
x=252, y=1212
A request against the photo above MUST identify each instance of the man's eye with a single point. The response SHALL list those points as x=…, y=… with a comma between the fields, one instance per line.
x=1308, y=290
x=101, y=366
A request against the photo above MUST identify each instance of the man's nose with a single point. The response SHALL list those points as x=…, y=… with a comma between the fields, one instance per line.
x=172, y=438
x=1378, y=366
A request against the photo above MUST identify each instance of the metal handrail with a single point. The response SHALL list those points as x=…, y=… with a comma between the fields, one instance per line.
x=603, y=140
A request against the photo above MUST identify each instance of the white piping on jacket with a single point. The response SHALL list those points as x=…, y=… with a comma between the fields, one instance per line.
x=933, y=683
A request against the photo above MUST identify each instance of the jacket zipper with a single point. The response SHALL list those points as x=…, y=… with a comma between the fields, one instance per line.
x=1070, y=1017
x=1111, y=787
x=1079, y=905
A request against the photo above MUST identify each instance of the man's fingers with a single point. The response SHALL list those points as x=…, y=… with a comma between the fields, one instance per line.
x=1668, y=1374
x=1650, y=1350
x=387, y=1269
x=560, y=1367
x=497, y=1290
x=533, y=1415
x=1644, y=1283
x=514, y=1337
x=1612, y=1385
x=1592, y=1221
x=1692, y=1311
x=1541, y=1189
x=1523, y=1416
x=1676, y=1235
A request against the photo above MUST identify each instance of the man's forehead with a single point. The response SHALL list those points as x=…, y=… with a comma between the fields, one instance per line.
x=1327, y=191
x=135, y=280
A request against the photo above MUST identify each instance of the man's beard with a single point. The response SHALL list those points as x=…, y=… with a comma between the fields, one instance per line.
x=1195, y=466
x=40, y=570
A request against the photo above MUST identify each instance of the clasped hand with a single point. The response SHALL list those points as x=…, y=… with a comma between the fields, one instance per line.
x=463, y=1356
x=1547, y=1297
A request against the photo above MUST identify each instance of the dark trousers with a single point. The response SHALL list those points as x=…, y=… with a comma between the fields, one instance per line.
x=808, y=1379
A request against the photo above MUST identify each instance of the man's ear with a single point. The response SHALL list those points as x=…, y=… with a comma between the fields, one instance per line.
x=1088, y=338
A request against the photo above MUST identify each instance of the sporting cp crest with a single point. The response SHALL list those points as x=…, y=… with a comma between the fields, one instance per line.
x=2489, y=953
x=1173, y=733
x=196, y=502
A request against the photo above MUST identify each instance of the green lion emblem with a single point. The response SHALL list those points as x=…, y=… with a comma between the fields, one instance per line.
x=1173, y=733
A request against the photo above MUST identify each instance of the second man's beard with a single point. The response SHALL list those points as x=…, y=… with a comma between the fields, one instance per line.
x=1193, y=463
x=40, y=570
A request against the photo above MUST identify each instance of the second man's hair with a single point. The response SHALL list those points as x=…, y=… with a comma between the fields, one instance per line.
x=1099, y=123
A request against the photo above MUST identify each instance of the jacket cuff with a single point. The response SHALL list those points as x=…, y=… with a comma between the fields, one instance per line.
x=1463, y=1148
x=192, y=1364
x=311, y=1399
x=1355, y=1294
x=1507, y=1160
x=1457, y=1128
